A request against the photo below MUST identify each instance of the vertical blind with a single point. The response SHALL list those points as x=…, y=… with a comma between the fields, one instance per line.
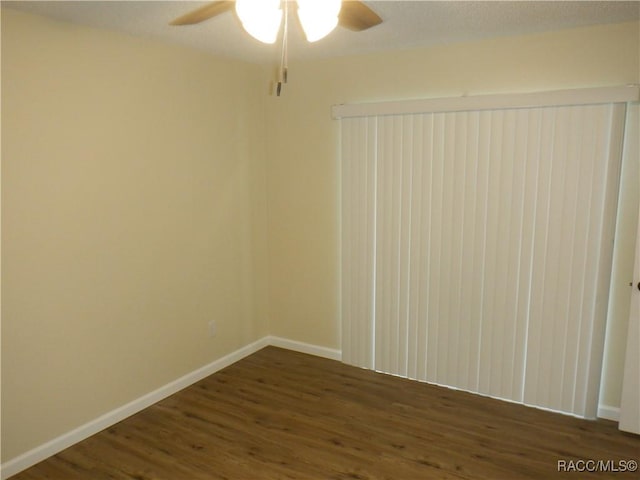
x=476, y=248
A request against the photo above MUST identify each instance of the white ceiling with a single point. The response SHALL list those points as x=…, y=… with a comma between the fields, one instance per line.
x=406, y=24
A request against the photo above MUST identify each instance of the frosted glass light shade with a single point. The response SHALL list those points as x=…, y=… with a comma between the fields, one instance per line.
x=318, y=17
x=260, y=18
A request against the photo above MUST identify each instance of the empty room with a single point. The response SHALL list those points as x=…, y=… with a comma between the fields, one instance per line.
x=265, y=239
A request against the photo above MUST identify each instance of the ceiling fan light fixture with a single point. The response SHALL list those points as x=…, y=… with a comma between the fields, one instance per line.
x=260, y=18
x=318, y=17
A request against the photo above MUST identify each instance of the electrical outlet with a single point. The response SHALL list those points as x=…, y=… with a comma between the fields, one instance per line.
x=213, y=328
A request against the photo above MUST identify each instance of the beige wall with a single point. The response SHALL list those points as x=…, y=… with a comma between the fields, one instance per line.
x=133, y=213
x=302, y=144
x=139, y=201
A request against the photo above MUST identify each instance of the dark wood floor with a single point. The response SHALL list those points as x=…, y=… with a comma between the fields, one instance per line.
x=284, y=415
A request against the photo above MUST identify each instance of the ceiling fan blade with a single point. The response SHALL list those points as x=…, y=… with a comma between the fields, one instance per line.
x=204, y=13
x=356, y=16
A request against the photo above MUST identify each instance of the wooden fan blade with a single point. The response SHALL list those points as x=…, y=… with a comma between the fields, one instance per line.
x=204, y=13
x=356, y=16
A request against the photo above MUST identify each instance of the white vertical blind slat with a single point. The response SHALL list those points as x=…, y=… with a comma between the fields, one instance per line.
x=425, y=244
x=535, y=330
x=413, y=288
x=477, y=285
x=456, y=357
x=358, y=206
x=435, y=257
x=491, y=255
x=466, y=327
x=613, y=155
x=405, y=246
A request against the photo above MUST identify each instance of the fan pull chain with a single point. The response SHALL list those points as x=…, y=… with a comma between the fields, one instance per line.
x=284, y=59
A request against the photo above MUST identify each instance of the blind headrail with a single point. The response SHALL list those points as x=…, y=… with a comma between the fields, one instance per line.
x=555, y=98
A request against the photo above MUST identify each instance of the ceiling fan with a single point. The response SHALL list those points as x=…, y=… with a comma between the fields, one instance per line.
x=262, y=19
x=354, y=14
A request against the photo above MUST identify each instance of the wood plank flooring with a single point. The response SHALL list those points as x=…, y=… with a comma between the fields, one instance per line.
x=284, y=415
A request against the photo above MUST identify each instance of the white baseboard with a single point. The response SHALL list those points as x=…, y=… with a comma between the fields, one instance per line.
x=609, y=413
x=302, y=347
x=58, y=444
